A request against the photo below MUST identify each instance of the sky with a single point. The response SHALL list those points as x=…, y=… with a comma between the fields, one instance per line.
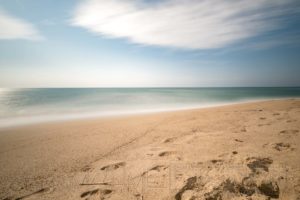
x=149, y=43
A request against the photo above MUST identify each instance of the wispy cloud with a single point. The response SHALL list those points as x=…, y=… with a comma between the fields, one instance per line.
x=15, y=28
x=287, y=40
x=191, y=24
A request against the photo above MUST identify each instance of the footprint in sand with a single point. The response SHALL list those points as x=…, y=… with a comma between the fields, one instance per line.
x=169, y=140
x=291, y=120
x=166, y=153
x=157, y=168
x=194, y=130
x=237, y=140
x=169, y=154
x=256, y=164
x=86, y=168
x=264, y=124
x=217, y=161
x=97, y=193
x=138, y=196
x=282, y=146
x=33, y=193
x=113, y=166
x=223, y=155
x=152, y=152
x=289, y=133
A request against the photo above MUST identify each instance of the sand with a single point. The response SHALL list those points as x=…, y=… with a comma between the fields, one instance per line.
x=242, y=151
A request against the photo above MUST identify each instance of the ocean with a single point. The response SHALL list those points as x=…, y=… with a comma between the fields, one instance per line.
x=25, y=106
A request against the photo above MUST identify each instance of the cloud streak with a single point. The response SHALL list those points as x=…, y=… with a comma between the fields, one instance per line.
x=188, y=24
x=15, y=28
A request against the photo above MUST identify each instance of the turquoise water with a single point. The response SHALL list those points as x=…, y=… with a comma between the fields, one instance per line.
x=22, y=106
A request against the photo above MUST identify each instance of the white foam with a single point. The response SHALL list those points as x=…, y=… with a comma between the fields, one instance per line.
x=35, y=119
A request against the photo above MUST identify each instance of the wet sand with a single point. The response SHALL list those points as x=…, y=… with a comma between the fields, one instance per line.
x=242, y=151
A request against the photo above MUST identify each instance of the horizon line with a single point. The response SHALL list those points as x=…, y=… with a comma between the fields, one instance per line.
x=149, y=87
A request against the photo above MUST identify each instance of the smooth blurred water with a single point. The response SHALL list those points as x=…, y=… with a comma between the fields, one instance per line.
x=22, y=106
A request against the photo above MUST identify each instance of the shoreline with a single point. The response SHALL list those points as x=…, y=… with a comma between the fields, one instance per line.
x=35, y=120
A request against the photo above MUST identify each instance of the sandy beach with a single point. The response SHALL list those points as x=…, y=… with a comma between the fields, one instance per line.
x=242, y=151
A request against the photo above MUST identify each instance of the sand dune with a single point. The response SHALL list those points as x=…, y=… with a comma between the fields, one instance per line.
x=243, y=151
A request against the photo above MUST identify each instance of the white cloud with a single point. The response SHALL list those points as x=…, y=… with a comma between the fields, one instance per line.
x=191, y=24
x=15, y=28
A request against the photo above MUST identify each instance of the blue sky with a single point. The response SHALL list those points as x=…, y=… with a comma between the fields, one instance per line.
x=139, y=43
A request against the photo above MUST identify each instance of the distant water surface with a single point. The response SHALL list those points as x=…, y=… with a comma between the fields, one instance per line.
x=23, y=106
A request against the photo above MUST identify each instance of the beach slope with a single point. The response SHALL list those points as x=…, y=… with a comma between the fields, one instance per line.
x=241, y=151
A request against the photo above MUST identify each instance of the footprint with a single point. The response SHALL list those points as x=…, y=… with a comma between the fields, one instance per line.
x=262, y=118
x=291, y=120
x=256, y=164
x=275, y=114
x=113, y=166
x=264, y=124
x=169, y=154
x=157, y=168
x=149, y=154
x=289, y=133
x=216, y=161
x=281, y=146
x=168, y=140
x=223, y=155
x=89, y=193
x=237, y=140
x=194, y=130
x=138, y=196
x=33, y=193
x=86, y=168
x=166, y=153
x=152, y=151
x=101, y=193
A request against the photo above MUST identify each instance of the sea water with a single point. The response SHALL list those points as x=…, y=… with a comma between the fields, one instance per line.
x=23, y=106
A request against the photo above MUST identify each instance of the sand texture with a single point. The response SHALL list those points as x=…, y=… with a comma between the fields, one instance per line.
x=242, y=151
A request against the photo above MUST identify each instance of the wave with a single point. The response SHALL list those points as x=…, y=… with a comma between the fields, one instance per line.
x=28, y=106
